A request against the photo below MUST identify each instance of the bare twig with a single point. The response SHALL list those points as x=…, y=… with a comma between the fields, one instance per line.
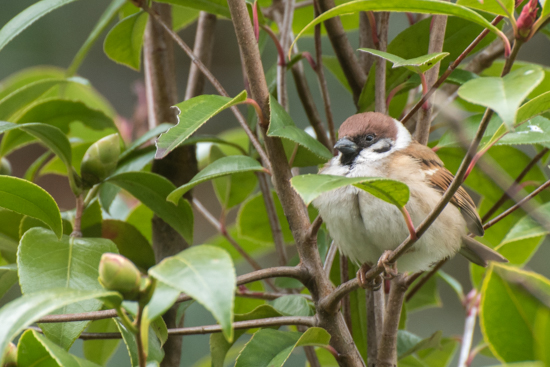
x=372, y=337
x=77, y=231
x=331, y=254
x=365, y=41
x=344, y=52
x=380, y=69
x=472, y=310
x=437, y=37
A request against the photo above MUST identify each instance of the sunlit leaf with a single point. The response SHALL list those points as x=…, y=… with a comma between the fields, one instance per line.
x=124, y=42
x=417, y=65
x=490, y=6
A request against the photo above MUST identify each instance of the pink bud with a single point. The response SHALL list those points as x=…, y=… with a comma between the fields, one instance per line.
x=526, y=19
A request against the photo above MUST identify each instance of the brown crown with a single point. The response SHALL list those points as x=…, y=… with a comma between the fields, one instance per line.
x=369, y=123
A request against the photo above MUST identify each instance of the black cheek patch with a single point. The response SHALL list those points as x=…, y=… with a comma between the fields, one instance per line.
x=347, y=159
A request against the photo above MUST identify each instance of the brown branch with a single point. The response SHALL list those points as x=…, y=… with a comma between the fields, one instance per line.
x=344, y=52
x=383, y=19
x=331, y=254
x=366, y=41
x=387, y=346
x=372, y=336
x=437, y=38
x=423, y=281
x=212, y=79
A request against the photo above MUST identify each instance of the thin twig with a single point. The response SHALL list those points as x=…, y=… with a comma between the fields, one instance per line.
x=331, y=254
x=423, y=281
x=380, y=69
x=469, y=328
x=212, y=79
x=77, y=231
x=366, y=41
x=269, y=296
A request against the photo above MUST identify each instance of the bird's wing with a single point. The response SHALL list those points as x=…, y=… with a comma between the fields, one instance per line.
x=440, y=179
x=478, y=253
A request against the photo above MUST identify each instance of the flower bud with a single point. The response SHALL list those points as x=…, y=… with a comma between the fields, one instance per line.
x=526, y=19
x=5, y=167
x=147, y=288
x=117, y=273
x=10, y=356
x=100, y=160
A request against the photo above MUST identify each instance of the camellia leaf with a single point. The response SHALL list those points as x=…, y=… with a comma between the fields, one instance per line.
x=221, y=167
x=310, y=187
x=155, y=355
x=25, y=310
x=193, y=113
x=150, y=134
x=219, y=346
x=101, y=350
x=152, y=190
x=8, y=277
x=26, y=198
x=182, y=17
x=35, y=349
x=417, y=65
x=508, y=311
x=292, y=305
x=123, y=43
x=408, y=343
x=503, y=95
x=205, y=273
x=218, y=7
x=282, y=126
x=426, y=297
x=412, y=6
x=71, y=263
x=163, y=298
x=272, y=348
x=491, y=6
x=27, y=17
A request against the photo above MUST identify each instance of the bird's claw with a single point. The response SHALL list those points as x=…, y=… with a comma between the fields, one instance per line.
x=390, y=269
x=374, y=284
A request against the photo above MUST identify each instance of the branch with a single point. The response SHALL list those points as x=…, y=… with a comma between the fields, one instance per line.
x=213, y=81
x=437, y=38
x=285, y=27
x=331, y=254
x=366, y=41
x=472, y=310
x=380, y=69
x=344, y=52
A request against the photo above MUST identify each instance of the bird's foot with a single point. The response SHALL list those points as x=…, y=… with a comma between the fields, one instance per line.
x=374, y=284
x=390, y=269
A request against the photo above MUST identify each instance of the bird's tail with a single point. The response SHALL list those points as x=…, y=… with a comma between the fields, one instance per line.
x=478, y=253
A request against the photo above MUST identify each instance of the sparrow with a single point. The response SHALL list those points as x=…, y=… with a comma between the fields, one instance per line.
x=365, y=228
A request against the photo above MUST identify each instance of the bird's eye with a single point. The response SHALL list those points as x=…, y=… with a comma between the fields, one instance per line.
x=370, y=137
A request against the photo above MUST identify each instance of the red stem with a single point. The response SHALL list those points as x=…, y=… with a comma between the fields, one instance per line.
x=374, y=32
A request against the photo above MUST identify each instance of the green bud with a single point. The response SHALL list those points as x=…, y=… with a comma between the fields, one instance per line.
x=10, y=356
x=117, y=273
x=5, y=167
x=146, y=290
x=100, y=160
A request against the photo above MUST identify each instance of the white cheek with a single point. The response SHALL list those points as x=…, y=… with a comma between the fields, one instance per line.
x=403, y=136
x=335, y=167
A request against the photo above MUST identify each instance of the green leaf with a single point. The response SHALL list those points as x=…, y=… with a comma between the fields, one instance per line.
x=152, y=190
x=408, y=343
x=130, y=242
x=150, y=134
x=101, y=350
x=140, y=217
x=542, y=332
x=332, y=65
x=292, y=305
x=490, y=6
x=441, y=356
x=8, y=277
x=25, y=310
x=155, y=355
x=182, y=17
x=35, y=349
x=219, y=346
x=26, y=198
x=46, y=262
x=59, y=113
x=425, y=297
x=218, y=7
x=508, y=311
x=272, y=348
x=412, y=6
x=503, y=95
x=282, y=126
x=417, y=65
x=124, y=42
x=534, y=107
x=27, y=17
x=453, y=283
x=358, y=307
x=309, y=187
x=106, y=18
x=221, y=167
x=163, y=298
x=193, y=114
x=206, y=274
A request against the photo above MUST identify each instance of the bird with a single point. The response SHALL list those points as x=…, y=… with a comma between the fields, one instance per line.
x=366, y=228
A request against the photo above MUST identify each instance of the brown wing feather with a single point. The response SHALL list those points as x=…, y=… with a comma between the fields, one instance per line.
x=440, y=179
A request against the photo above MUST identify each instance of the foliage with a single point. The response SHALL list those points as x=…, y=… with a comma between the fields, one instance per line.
x=99, y=259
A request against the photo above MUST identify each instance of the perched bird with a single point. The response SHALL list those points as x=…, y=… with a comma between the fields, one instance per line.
x=364, y=227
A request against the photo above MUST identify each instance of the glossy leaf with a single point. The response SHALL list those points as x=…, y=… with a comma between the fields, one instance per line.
x=503, y=95
x=219, y=346
x=182, y=17
x=273, y=347
x=152, y=190
x=101, y=350
x=491, y=6
x=150, y=134
x=218, y=7
x=282, y=126
x=205, y=273
x=130, y=242
x=292, y=305
x=124, y=42
x=27, y=17
x=417, y=65
x=26, y=198
x=408, y=343
x=508, y=311
x=412, y=6
x=309, y=187
x=163, y=298
x=35, y=349
x=221, y=167
x=8, y=277
x=193, y=113
x=155, y=353
x=23, y=311
x=140, y=217
x=46, y=262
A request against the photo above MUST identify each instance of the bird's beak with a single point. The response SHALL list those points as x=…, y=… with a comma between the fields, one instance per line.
x=346, y=146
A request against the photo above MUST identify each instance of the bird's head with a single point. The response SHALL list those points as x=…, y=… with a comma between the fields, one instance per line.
x=370, y=136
